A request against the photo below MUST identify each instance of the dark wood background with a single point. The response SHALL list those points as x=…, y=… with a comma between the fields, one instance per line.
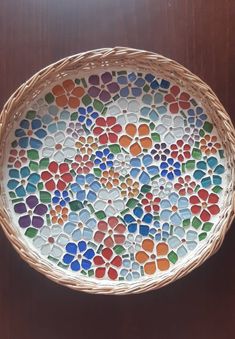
x=197, y=33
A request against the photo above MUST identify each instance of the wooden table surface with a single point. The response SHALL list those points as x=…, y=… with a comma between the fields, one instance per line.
x=200, y=35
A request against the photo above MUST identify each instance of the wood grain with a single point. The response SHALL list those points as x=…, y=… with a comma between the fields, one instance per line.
x=200, y=35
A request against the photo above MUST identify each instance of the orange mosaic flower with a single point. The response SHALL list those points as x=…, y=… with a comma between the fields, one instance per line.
x=136, y=138
x=130, y=188
x=59, y=215
x=209, y=144
x=68, y=94
x=110, y=179
x=153, y=257
x=86, y=145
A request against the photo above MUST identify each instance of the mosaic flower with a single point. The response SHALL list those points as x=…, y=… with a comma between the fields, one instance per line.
x=75, y=130
x=102, y=86
x=59, y=147
x=209, y=172
x=22, y=181
x=131, y=270
x=82, y=164
x=152, y=257
x=107, y=263
x=143, y=169
x=182, y=241
x=104, y=159
x=50, y=241
x=68, y=94
x=110, y=178
x=185, y=185
x=180, y=151
x=177, y=100
x=78, y=256
x=161, y=187
x=170, y=169
x=55, y=120
x=191, y=136
x=204, y=204
x=136, y=139
x=150, y=203
x=160, y=151
x=160, y=231
x=107, y=129
x=175, y=209
x=61, y=198
x=139, y=221
x=87, y=115
x=133, y=242
x=59, y=215
x=17, y=157
x=56, y=176
x=129, y=188
x=196, y=117
x=109, y=201
x=33, y=212
x=153, y=106
x=131, y=85
x=30, y=133
x=209, y=144
x=111, y=232
x=170, y=128
x=126, y=111
x=86, y=145
x=80, y=225
x=122, y=164
x=156, y=83
x=40, y=106
x=86, y=187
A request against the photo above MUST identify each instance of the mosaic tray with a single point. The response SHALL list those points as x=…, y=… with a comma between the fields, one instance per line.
x=115, y=177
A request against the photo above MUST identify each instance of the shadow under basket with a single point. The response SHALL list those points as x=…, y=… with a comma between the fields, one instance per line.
x=117, y=171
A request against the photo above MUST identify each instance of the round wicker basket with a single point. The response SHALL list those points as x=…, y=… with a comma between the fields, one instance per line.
x=181, y=93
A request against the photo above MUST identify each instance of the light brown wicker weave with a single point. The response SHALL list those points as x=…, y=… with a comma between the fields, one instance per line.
x=142, y=61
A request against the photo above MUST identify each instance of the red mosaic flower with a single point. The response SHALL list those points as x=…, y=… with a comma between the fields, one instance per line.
x=151, y=203
x=107, y=262
x=180, y=151
x=107, y=129
x=185, y=185
x=177, y=100
x=82, y=164
x=204, y=204
x=110, y=232
x=17, y=158
x=57, y=176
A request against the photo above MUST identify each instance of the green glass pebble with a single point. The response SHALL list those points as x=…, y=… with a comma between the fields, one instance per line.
x=145, y=188
x=74, y=116
x=202, y=236
x=190, y=164
x=196, y=153
x=131, y=203
x=86, y=100
x=156, y=137
x=40, y=186
x=33, y=154
x=45, y=197
x=196, y=223
x=115, y=149
x=100, y=215
x=97, y=172
x=43, y=163
x=90, y=273
x=173, y=257
x=207, y=226
x=33, y=165
x=30, y=115
x=208, y=127
x=186, y=222
x=49, y=97
x=31, y=232
x=217, y=189
x=119, y=249
x=75, y=205
x=98, y=105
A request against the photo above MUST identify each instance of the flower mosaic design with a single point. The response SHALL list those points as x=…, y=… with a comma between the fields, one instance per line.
x=115, y=176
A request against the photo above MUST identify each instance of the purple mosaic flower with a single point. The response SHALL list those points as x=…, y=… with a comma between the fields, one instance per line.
x=32, y=212
x=102, y=86
x=75, y=129
x=160, y=151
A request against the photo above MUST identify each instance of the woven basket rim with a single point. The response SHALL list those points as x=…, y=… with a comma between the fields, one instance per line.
x=136, y=59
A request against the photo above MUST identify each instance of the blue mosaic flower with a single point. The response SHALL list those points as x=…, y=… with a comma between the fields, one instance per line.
x=30, y=133
x=55, y=119
x=160, y=231
x=87, y=115
x=196, y=117
x=175, y=209
x=136, y=83
x=78, y=256
x=61, y=198
x=143, y=169
x=209, y=172
x=86, y=187
x=170, y=169
x=104, y=159
x=140, y=221
x=23, y=181
x=80, y=225
x=130, y=270
x=155, y=84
